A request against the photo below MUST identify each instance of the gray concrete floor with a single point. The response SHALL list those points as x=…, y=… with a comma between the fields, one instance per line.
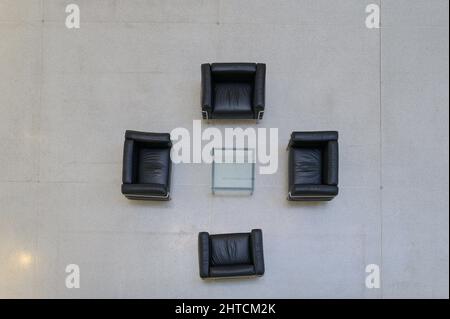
x=67, y=96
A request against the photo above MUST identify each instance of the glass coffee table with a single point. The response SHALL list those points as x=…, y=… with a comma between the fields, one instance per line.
x=233, y=170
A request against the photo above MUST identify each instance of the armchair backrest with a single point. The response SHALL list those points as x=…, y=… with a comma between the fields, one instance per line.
x=299, y=139
x=233, y=71
x=157, y=140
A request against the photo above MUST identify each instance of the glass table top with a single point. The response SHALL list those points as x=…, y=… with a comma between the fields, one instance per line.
x=233, y=170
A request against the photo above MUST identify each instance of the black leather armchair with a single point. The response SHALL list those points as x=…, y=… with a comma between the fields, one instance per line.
x=233, y=90
x=231, y=255
x=147, y=166
x=313, y=166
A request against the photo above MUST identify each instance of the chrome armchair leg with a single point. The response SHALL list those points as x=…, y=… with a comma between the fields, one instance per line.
x=260, y=115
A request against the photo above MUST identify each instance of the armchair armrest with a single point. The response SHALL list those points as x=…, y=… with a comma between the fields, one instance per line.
x=331, y=167
x=127, y=169
x=203, y=254
x=257, y=251
x=259, y=98
x=206, y=91
x=157, y=139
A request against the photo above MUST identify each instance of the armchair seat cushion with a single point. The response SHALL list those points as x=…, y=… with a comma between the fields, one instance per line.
x=153, y=165
x=229, y=250
x=307, y=164
x=232, y=98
